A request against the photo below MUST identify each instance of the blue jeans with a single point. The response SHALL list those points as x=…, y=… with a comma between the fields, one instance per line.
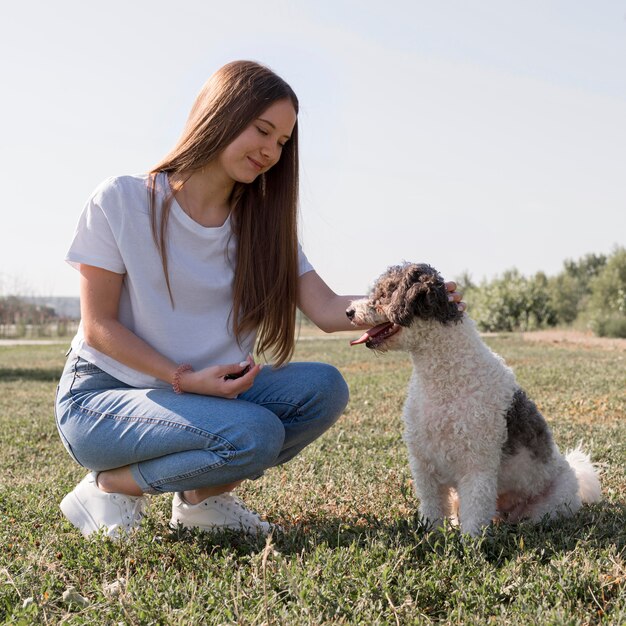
x=178, y=442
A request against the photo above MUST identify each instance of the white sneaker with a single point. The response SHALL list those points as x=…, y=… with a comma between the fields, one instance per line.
x=90, y=509
x=217, y=512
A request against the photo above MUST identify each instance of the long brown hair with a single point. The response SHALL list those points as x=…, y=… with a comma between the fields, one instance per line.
x=263, y=213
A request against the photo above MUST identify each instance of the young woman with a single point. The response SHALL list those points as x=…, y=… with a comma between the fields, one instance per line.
x=183, y=273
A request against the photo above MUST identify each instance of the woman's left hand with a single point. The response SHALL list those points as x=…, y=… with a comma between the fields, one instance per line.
x=455, y=296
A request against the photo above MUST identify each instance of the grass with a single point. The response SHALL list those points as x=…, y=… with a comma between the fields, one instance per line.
x=354, y=550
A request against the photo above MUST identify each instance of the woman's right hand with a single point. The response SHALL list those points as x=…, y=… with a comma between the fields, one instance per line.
x=213, y=381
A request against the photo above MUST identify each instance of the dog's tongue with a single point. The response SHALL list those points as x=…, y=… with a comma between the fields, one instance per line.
x=372, y=332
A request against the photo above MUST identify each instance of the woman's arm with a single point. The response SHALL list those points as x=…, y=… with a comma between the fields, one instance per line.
x=322, y=305
x=327, y=310
x=100, y=292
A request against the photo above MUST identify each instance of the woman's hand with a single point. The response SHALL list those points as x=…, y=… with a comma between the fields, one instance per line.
x=222, y=381
x=455, y=296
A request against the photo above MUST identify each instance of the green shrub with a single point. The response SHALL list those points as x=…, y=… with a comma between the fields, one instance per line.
x=606, y=308
x=609, y=326
x=568, y=296
x=512, y=302
x=590, y=292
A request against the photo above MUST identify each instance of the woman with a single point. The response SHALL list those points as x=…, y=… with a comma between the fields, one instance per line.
x=182, y=272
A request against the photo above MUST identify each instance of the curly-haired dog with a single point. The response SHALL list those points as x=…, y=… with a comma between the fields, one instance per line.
x=469, y=428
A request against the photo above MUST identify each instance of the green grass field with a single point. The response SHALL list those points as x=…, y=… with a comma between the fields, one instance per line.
x=353, y=550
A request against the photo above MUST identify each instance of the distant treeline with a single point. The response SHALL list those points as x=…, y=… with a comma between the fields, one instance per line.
x=19, y=317
x=589, y=293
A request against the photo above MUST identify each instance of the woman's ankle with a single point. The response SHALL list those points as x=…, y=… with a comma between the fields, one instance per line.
x=119, y=480
x=195, y=496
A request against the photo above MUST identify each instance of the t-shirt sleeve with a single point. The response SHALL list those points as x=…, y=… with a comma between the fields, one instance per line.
x=94, y=242
x=303, y=263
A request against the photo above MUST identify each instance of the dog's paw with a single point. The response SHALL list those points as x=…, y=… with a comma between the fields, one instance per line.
x=432, y=522
x=476, y=529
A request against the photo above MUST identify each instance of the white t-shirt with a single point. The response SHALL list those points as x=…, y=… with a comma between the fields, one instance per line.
x=114, y=233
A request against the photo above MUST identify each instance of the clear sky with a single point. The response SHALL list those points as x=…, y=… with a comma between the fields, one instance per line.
x=474, y=136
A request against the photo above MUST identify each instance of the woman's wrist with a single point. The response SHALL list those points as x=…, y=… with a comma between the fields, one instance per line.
x=177, y=379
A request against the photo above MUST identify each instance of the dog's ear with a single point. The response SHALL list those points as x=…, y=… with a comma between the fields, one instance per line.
x=422, y=293
x=411, y=293
x=404, y=301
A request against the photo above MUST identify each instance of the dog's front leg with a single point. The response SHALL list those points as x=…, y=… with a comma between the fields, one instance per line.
x=430, y=492
x=477, y=501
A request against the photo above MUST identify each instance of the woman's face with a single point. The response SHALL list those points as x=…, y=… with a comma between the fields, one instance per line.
x=259, y=146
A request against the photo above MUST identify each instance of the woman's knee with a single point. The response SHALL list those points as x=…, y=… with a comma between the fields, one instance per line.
x=260, y=443
x=331, y=389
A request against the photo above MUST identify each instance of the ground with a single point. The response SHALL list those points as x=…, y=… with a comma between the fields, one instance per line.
x=580, y=339
x=563, y=337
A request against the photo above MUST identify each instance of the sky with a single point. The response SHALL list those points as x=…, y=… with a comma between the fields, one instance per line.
x=477, y=137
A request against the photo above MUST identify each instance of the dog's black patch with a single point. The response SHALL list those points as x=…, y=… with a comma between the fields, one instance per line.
x=526, y=428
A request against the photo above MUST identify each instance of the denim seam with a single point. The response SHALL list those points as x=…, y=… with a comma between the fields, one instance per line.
x=176, y=477
x=141, y=479
x=155, y=420
x=137, y=418
x=88, y=368
x=163, y=481
x=64, y=441
x=288, y=402
x=230, y=448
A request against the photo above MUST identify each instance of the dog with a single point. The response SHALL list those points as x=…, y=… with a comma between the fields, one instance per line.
x=479, y=449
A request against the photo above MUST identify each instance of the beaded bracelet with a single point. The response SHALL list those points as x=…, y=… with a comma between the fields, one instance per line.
x=185, y=367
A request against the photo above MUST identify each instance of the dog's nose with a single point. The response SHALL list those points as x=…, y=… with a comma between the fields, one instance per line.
x=350, y=313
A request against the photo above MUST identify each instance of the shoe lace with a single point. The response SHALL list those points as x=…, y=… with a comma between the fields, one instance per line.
x=134, y=510
x=238, y=503
x=248, y=518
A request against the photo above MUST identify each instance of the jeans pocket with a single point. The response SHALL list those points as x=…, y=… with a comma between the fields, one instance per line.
x=85, y=368
x=83, y=376
x=64, y=441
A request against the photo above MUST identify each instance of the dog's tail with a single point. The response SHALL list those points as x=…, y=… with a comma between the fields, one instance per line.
x=586, y=474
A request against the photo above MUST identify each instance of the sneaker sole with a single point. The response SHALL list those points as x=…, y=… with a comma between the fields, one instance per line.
x=219, y=527
x=77, y=514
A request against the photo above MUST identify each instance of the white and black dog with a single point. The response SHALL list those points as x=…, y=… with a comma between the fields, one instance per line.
x=478, y=447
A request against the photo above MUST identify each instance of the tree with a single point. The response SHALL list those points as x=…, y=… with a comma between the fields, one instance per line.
x=512, y=302
x=570, y=290
x=606, y=309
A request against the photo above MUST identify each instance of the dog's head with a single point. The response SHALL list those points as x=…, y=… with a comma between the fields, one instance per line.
x=401, y=298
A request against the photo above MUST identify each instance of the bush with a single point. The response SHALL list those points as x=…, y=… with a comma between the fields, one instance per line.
x=511, y=303
x=568, y=297
x=590, y=291
x=606, y=308
x=609, y=326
